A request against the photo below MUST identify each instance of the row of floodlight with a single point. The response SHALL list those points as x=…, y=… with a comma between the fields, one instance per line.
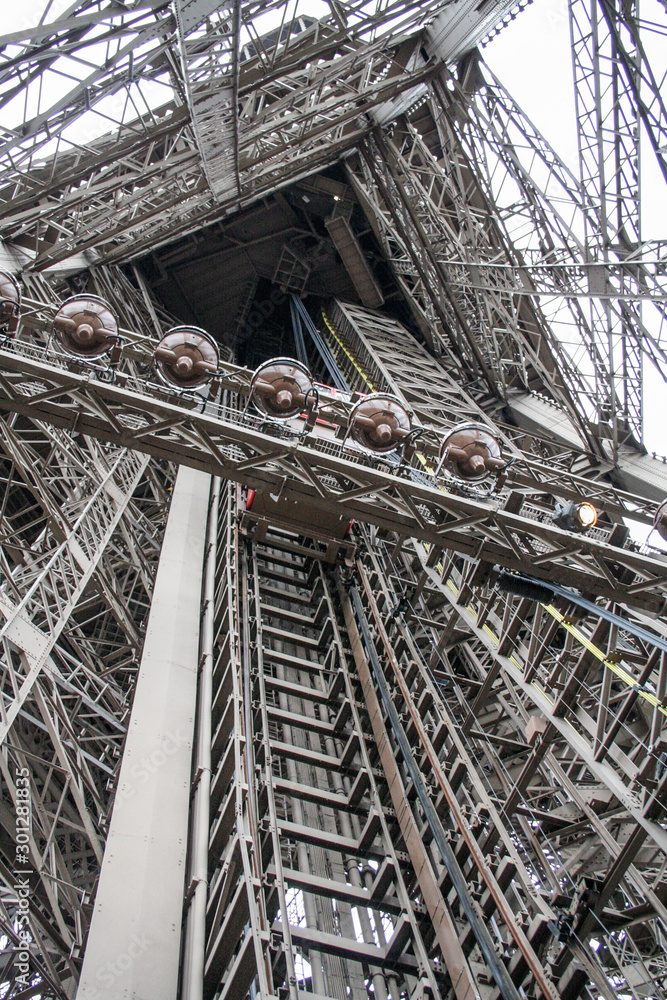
x=187, y=358
x=283, y=388
x=85, y=328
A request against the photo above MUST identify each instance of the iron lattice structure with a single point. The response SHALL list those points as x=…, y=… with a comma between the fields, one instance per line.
x=297, y=719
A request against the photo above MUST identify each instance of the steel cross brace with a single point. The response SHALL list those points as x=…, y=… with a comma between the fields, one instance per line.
x=543, y=703
x=51, y=488
x=62, y=688
x=211, y=77
x=35, y=624
x=482, y=678
x=488, y=133
x=319, y=474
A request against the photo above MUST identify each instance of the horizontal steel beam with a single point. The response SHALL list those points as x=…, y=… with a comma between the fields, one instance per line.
x=319, y=474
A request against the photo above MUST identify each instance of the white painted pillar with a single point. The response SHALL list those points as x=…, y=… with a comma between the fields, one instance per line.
x=133, y=946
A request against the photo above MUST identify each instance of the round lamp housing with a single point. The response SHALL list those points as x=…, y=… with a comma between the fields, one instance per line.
x=660, y=520
x=586, y=515
x=85, y=327
x=575, y=516
x=470, y=452
x=187, y=357
x=278, y=388
x=379, y=422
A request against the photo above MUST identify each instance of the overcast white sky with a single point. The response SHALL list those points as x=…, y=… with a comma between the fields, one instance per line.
x=533, y=59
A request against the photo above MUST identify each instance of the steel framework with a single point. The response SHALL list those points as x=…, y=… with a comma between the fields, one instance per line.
x=280, y=718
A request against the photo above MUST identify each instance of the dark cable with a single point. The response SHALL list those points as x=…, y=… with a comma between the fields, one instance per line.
x=299, y=342
x=330, y=363
x=499, y=971
x=542, y=590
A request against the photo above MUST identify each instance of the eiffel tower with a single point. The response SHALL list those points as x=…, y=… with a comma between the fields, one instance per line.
x=331, y=666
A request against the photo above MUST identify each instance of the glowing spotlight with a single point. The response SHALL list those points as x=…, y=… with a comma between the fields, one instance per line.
x=575, y=516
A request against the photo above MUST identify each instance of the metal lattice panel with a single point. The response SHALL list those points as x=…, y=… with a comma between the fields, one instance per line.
x=424, y=751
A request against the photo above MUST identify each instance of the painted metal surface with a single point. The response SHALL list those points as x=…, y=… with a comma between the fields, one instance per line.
x=528, y=730
x=133, y=943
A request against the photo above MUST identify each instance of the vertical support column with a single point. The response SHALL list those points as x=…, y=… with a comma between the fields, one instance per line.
x=195, y=935
x=134, y=941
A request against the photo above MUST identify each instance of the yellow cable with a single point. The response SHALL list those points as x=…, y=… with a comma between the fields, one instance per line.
x=554, y=612
x=622, y=675
x=368, y=382
x=344, y=348
x=580, y=637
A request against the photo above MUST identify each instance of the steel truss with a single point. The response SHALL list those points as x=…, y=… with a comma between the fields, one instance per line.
x=317, y=471
x=415, y=776
x=477, y=270
x=541, y=725
x=600, y=758
x=573, y=223
x=319, y=684
x=245, y=114
x=80, y=541
x=501, y=767
x=608, y=78
x=291, y=117
x=415, y=734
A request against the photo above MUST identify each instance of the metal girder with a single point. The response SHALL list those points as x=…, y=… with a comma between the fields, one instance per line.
x=385, y=352
x=391, y=360
x=386, y=782
x=525, y=772
x=63, y=724
x=429, y=216
x=285, y=115
x=42, y=684
x=139, y=900
x=609, y=135
x=34, y=625
x=586, y=704
x=547, y=226
x=565, y=694
x=628, y=29
x=387, y=358
x=508, y=329
x=79, y=490
x=610, y=280
x=408, y=235
x=608, y=131
x=546, y=704
x=208, y=35
x=51, y=465
x=319, y=473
